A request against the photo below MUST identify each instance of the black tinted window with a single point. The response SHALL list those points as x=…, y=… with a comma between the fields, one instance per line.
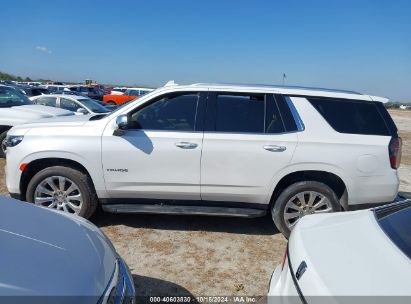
x=288, y=119
x=351, y=116
x=68, y=104
x=174, y=112
x=240, y=113
x=397, y=226
x=273, y=120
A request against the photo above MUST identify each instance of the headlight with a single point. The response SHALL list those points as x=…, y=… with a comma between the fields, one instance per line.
x=13, y=140
x=121, y=287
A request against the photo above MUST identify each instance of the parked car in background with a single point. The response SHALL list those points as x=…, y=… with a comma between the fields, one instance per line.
x=54, y=255
x=129, y=94
x=73, y=103
x=53, y=88
x=16, y=108
x=31, y=91
x=118, y=90
x=101, y=88
x=239, y=150
x=355, y=254
x=91, y=92
x=68, y=92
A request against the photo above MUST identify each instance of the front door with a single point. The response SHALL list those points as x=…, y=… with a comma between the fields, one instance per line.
x=158, y=156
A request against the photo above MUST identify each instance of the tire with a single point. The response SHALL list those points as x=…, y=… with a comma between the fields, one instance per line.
x=111, y=103
x=311, y=193
x=41, y=186
x=2, y=144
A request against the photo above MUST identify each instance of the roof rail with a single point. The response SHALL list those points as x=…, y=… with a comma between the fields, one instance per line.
x=170, y=83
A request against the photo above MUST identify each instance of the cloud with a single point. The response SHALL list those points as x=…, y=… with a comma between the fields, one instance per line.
x=43, y=49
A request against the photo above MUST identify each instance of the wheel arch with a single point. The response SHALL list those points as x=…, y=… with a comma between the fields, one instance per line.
x=4, y=128
x=33, y=167
x=334, y=181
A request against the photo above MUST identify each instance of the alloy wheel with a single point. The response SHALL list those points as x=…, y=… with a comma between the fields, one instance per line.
x=305, y=203
x=59, y=193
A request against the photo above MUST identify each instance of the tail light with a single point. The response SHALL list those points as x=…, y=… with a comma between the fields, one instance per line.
x=284, y=258
x=394, y=150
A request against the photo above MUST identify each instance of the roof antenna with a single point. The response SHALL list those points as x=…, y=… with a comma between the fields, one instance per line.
x=284, y=77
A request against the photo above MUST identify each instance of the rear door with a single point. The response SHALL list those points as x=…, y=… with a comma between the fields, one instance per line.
x=246, y=142
x=46, y=101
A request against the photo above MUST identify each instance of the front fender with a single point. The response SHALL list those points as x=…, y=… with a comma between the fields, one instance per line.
x=94, y=169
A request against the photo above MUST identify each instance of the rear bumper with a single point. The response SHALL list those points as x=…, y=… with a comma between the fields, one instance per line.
x=374, y=189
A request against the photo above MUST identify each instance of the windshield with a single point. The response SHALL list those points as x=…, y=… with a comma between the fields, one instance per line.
x=395, y=221
x=10, y=97
x=93, y=105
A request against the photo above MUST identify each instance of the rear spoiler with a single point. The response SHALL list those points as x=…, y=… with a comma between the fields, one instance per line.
x=379, y=99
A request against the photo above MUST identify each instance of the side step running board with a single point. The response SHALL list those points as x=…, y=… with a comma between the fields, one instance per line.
x=184, y=210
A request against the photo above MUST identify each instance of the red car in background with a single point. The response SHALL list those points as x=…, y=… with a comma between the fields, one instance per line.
x=129, y=94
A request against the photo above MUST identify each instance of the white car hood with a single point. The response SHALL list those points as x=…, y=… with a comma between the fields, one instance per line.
x=348, y=255
x=61, y=121
x=27, y=113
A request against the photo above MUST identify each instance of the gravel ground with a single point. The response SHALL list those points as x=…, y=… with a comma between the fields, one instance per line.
x=188, y=255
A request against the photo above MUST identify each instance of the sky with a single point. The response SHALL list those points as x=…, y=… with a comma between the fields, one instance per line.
x=362, y=45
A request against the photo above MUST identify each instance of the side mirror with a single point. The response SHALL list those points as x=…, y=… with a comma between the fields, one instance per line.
x=122, y=122
x=82, y=111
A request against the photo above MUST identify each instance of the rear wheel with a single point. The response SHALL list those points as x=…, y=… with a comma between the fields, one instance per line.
x=301, y=199
x=3, y=146
x=111, y=103
x=64, y=189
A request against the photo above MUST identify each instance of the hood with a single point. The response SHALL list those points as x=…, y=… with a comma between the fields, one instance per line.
x=49, y=253
x=61, y=121
x=348, y=254
x=34, y=112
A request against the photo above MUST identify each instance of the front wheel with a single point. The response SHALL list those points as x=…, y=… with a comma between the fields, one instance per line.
x=301, y=199
x=3, y=146
x=111, y=103
x=64, y=189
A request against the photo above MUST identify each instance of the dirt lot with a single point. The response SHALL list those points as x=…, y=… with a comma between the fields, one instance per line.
x=183, y=255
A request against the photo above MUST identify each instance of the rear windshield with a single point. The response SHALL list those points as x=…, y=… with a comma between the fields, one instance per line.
x=354, y=116
x=396, y=223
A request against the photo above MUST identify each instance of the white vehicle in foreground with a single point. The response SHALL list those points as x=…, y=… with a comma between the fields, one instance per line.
x=347, y=258
x=225, y=150
x=16, y=109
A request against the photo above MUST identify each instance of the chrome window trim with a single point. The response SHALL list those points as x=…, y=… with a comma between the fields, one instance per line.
x=297, y=118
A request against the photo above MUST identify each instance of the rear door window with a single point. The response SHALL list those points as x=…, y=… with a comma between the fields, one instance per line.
x=47, y=101
x=249, y=113
x=240, y=113
x=351, y=116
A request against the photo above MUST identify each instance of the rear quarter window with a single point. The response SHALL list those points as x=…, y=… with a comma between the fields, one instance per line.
x=352, y=116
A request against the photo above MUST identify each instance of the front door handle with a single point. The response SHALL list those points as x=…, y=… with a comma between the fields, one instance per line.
x=274, y=148
x=186, y=145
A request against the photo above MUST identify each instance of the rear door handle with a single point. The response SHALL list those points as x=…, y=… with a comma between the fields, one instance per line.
x=274, y=148
x=186, y=145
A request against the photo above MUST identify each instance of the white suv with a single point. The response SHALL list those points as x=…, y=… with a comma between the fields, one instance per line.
x=226, y=150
